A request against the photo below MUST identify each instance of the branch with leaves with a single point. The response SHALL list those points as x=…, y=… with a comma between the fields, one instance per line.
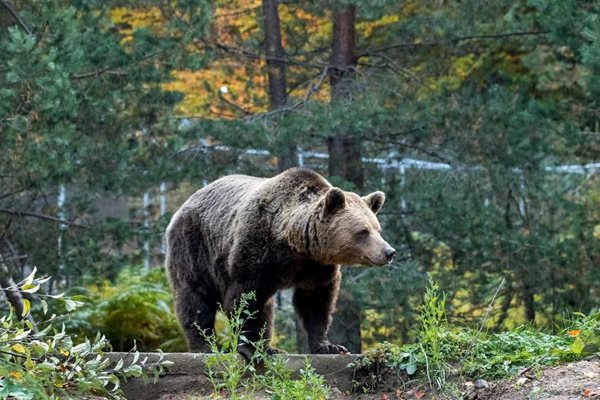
x=42, y=362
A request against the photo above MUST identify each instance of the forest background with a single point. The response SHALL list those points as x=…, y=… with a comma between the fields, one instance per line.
x=479, y=119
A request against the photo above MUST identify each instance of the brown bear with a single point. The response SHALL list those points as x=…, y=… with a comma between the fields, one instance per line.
x=245, y=234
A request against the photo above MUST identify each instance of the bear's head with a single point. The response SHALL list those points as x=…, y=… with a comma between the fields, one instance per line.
x=349, y=232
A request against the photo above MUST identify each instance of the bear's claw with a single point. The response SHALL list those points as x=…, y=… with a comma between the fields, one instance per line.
x=328, y=348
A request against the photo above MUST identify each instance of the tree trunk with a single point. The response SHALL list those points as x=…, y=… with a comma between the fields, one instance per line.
x=342, y=72
x=345, y=162
x=276, y=76
x=345, y=159
x=344, y=149
x=287, y=157
x=528, y=302
x=505, y=307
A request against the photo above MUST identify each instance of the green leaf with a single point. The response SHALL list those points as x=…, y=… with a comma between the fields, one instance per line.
x=71, y=305
x=134, y=370
x=44, y=306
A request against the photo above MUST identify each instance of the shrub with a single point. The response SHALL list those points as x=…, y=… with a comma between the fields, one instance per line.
x=40, y=361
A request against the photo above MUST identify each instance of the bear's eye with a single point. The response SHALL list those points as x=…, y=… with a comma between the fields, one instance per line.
x=363, y=233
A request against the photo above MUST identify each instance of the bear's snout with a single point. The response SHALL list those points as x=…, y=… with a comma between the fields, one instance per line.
x=389, y=254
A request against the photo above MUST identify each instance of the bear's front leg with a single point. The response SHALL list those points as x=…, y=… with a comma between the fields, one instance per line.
x=315, y=303
x=262, y=309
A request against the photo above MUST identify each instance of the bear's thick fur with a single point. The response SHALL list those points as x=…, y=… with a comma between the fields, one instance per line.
x=244, y=234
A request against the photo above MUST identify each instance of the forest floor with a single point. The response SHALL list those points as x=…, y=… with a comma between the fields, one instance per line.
x=573, y=381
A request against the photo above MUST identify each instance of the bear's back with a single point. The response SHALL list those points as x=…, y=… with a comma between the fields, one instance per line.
x=218, y=202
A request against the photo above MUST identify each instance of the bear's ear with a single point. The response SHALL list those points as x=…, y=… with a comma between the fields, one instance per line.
x=375, y=201
x=334, y=200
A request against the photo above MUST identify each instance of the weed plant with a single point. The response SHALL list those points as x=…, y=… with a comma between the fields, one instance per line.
x=233, y=377
x=442, y=349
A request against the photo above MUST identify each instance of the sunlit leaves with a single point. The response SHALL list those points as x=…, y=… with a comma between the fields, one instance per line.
x=39, y=361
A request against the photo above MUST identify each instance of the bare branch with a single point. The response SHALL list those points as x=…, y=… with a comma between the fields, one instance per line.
x=24, y=214
x=431, y=153
x=9, y=194
x=401, y=71
x=95, y=73
x=203, y=45
x=457, y=40
x=232, y=104
x=111, y=68
x=314, y=89
x=16, y=16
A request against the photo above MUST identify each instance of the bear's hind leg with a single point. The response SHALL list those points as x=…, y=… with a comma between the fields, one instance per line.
x=196, y=309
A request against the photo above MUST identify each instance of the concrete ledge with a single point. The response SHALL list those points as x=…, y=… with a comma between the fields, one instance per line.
x=188, y=374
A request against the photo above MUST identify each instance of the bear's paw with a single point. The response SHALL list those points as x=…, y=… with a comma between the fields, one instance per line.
x=328, y=348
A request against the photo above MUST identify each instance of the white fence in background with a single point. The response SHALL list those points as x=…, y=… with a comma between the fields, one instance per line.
x=392, y=162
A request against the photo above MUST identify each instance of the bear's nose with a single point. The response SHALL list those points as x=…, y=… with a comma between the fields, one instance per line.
x=389, y=254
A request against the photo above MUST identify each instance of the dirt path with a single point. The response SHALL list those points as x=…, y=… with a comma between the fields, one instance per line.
x=575, y=381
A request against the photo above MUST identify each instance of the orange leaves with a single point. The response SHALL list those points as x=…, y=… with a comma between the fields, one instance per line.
x=200, y=88
x=235, y=21
x=574, y=333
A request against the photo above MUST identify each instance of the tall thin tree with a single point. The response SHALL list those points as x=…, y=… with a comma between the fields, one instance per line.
x=345, y=157
x=276, y=76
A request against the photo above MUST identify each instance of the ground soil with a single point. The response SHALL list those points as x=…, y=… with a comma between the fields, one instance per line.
x=574, y=381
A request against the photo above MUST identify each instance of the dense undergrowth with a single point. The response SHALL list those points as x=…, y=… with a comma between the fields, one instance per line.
x=444, y=354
